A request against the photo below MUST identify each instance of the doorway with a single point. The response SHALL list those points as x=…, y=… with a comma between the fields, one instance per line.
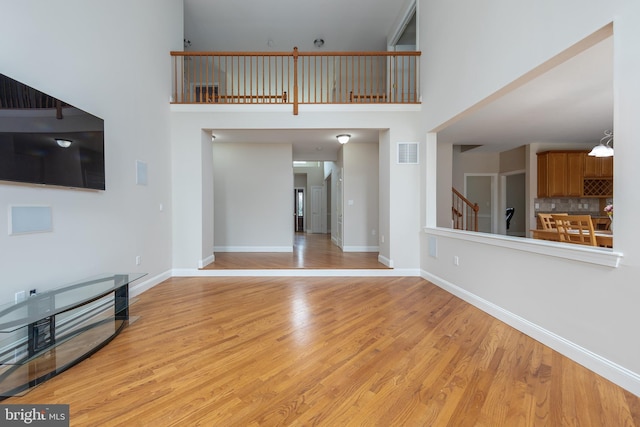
x=298, y=209
x=513, y=198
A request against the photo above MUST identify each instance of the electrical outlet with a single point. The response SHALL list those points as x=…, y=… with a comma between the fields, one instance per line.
x=456, y=260
x=138, y=260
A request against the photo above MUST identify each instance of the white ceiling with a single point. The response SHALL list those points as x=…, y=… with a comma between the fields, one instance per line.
x=570, y=103
x=243, y=25
x=308, y=144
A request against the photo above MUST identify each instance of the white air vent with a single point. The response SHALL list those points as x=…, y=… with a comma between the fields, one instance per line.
x=408, y=153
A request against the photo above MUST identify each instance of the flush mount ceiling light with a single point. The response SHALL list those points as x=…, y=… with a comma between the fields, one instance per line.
x=604, y=149
x=64, y=143
x=343, y=138
x=318, y=42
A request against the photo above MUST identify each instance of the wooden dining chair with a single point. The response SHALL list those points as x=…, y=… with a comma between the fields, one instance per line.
x=575, y=229
x=547, y=221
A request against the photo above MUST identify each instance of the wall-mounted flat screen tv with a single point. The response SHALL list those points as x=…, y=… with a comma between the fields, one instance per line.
x=44, y=140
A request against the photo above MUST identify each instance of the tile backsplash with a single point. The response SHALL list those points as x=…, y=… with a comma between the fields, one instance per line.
x=571, y=205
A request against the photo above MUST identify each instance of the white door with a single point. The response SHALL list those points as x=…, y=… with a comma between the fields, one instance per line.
x=316, y=209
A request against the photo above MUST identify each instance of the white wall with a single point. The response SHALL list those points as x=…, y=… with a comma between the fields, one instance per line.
x=384, y=188
x=334, y=168
x=404, y=202
x=588, y=311
x=513, y=160
x=110, y=59
x=361, y=197
x=253, y=201
x=207, y=200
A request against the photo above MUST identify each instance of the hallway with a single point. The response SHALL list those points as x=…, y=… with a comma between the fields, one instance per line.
x=313, y=251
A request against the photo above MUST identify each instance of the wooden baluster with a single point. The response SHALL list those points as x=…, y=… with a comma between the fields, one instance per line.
x=295, y=81
x=174, y=86
x=375, y=90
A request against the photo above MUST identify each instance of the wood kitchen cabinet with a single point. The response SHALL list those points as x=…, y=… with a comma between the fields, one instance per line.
x=574, y=174
x=598, y=176
x=598, y=167
x=560, y=173
x=543, y=176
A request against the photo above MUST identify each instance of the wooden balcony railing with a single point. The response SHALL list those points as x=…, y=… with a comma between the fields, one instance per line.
x=464, y=213
x=295, y=77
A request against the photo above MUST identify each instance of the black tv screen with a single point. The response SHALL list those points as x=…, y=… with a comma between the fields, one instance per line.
x=44, y=140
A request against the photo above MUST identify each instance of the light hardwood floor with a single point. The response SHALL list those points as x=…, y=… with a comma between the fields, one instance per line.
x=326, y=351
x=314, y=251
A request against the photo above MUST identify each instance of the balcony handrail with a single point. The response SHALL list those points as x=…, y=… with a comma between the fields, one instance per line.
x=464, y=213
x=336, y=53
x=295, y=77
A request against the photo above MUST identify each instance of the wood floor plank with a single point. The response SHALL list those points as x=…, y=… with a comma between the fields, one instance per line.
x=315, y=251
x=326, y=351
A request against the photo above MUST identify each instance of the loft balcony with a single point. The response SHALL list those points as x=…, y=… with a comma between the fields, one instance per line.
x=295, y=78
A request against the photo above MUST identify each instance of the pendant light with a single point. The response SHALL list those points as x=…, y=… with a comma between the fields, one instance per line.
x=604, y=149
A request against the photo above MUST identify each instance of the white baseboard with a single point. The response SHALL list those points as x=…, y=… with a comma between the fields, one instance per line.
x=360, y=249
x=613, y=372
x=142, y=286
x=386, y=261
x=253, y=249
x=208, y=260
x=297, y=272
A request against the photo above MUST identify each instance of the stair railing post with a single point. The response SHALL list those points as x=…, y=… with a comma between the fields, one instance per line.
x=295, y=81
x=476, y=208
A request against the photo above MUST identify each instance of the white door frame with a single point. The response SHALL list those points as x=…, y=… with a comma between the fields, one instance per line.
x=494, y=197
x=339, y=209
